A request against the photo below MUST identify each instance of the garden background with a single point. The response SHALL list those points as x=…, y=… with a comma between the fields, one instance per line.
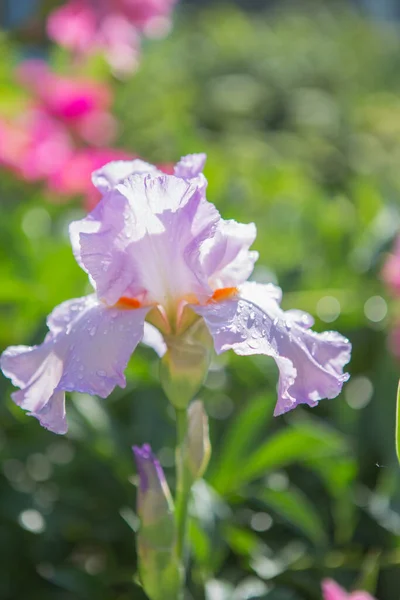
x=298, y=110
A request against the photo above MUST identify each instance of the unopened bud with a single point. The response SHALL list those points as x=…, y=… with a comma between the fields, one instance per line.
x=198, y=447
x=184, y=366
x=159, y=569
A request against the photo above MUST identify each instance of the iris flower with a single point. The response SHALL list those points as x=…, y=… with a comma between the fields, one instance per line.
x=162, y=261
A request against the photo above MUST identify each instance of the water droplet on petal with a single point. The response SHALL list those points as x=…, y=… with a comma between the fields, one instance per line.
x=92, y=331
x=101, y=373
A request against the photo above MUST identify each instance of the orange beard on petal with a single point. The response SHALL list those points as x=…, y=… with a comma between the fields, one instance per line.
x=127, y=303
x=223, y=294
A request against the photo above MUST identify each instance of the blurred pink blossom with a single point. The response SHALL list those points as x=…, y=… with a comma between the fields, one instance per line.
x=73, y=178
x=81, y=104
x=34, y=146
x=332, y=591
x=13, y=141
x=110, y=26
x=391, y=270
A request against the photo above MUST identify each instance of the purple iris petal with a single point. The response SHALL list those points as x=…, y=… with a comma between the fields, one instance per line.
x=86, y=350
x=108, y=177
x=150, y=471
x=190, y=166
x=310, y=364
x=139, y=231
x=226, y=256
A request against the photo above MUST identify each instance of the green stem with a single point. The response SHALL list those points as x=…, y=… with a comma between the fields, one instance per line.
x=183, y=484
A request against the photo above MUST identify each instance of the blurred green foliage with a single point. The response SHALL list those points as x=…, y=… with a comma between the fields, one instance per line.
x=299, y=113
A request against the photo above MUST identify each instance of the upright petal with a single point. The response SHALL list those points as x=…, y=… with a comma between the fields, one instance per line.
x=108, y=177
x=226, y=257
x=190, y=166
x=138, y=231
x=86, y=350
x=310, y=364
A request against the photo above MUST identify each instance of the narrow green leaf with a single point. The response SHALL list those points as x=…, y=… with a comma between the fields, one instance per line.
x=294, y=507
x=239, y=439
x=299, y=444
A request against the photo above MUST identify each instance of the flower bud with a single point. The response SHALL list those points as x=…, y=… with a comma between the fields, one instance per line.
x=159, y=569
x=198, y=447
x=184, y=366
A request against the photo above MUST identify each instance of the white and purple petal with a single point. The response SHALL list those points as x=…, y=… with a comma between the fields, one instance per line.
x=226, y=258
x=113, y=173
x=143, y=240
x=86, y=350
x=190, y=166
x=310, y=364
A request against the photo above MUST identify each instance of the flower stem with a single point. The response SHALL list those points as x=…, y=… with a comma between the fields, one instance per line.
x=183, y=484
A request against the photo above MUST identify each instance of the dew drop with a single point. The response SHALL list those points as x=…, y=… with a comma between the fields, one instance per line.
x=92, y=331
x=101, y=373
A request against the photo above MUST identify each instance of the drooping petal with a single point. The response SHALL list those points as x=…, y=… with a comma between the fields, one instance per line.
x=37, y=371
x=310, y=364
x=86, y=350
x=226, y=257
x=143, y=240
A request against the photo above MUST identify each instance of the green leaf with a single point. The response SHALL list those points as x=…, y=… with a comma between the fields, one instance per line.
x=239, y=438
x=299, y=444
x=294, y=506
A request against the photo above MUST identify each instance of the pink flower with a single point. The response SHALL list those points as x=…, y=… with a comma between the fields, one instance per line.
x=13, y=142
x=391, y=270
x=110, y=26
x=163, y=263
x=332, y=591
x=81, y=104
x=73, y=178
x=34, y=146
